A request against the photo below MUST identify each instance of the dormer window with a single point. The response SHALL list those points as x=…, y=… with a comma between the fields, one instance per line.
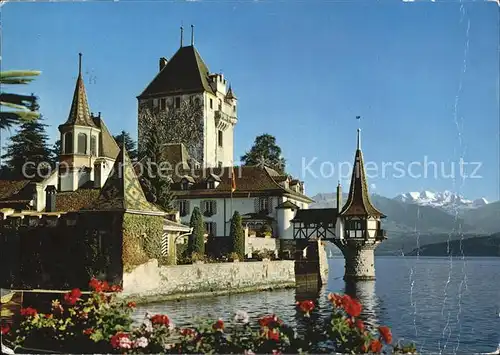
x=213, y=181
x=186, y=182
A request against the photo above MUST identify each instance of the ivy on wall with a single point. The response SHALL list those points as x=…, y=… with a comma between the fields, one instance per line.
x=142, y=239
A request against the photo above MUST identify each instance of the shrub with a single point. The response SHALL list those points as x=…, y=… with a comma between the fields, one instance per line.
x=237, y=236
x=196, y=243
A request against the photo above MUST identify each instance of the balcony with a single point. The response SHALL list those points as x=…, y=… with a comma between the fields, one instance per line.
x=223, y=120
x=381, y=234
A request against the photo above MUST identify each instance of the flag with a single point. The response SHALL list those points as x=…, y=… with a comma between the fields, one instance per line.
x=233, y=180
x=358, y=117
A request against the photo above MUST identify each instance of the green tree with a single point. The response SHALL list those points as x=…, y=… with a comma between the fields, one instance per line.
x=237, y=235
x=28, y=145
x=130, y=144
x=196, y=243
x=265, y=152
x=14, y=107
x=55, y=151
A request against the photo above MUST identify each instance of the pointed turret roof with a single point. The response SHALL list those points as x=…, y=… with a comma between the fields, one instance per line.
x=79, y=113
x=122, y=190
x=230, y=94
x=358, y=202
x=185, y=72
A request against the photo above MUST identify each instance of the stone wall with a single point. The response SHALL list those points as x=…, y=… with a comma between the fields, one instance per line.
x=150, y=282
x=255, y=244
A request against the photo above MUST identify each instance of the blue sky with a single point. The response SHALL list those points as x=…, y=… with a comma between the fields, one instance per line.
x=425, y=86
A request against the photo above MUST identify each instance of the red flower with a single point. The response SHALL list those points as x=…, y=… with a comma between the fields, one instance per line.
x=276, y=352
x=386, y=334
x=188, y=332
x=335, y=299
x=120, y=340
x=99, y=286
x=160, y=319
x=271, y=321
x=5, y=329
x=72, y=296
x=375, y=346
x=131, y=305
x=360, y=325
x=28, y=312
x=88, y=331
x=115, y=288
x=272, y=334
x=219, y=325
x=364, y=348
x=306, y=306
x=351, y=306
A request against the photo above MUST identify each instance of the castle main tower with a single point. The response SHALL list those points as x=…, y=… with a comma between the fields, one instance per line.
x=191, y=106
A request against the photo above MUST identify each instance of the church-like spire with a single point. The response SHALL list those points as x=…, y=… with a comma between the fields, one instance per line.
x=230, y=94
x=79, y=113
x=358, y=202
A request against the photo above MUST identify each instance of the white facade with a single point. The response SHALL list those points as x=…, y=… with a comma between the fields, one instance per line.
x=224, y=208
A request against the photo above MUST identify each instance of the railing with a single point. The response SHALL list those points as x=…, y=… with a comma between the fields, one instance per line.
x=219, y=115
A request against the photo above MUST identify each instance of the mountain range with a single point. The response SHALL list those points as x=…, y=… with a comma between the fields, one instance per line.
x=448, y=201
x=411, y=223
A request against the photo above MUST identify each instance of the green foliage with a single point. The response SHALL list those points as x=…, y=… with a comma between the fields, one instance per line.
x=196, y=242
x=29, y=144
x=237, y=236
x=15, y=107
x=155, y=179
x=130, y=144
x=266, y=152
x=55, y=151
x=266, y=230
x=142, y=237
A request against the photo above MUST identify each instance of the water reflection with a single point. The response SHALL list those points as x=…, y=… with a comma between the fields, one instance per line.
x=364, y=291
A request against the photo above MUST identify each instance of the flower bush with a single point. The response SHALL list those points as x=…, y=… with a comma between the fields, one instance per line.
x=100, y=323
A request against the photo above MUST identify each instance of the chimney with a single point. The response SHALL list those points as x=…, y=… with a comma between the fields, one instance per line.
x=50, y=198
x=163, y=62
x=339, y=197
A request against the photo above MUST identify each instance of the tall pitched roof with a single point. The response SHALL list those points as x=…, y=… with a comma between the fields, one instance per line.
x=79, y=113
x=122, y=190
x=358, y=201
x=107, y=146
x=184, y=72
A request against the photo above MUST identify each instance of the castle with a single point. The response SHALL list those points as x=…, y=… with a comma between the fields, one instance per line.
x=197, y=112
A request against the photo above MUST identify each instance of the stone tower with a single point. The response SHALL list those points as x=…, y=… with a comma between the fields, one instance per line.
x=192, y=106
x=358, y=230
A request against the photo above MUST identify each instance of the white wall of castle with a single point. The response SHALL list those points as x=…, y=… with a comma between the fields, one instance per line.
x=225, y=208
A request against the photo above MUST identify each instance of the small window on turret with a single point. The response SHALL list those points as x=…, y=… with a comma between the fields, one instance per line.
x=68, y=143
x=93, y=146
x=82, y=143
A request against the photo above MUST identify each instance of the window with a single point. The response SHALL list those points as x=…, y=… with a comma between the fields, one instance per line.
x=68, y=143
x=211, y=184
x=155, y=102
x=211, y=228
x=211, y=104
x=220, y=105
x=220, y=138
x=184, y=185
x=82, y=143
x=219, y=164
x=93, y=146
x=183, y=207
x=163, y=104
x=209, y=208
x=263, y=205
x=356, y=225
x=177, y=102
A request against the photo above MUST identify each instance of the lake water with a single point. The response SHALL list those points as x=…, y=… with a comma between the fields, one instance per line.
x=448, y=306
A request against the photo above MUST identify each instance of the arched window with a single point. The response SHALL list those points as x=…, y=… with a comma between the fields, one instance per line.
x=82, y=143
x=68, y=143
x=93, y=146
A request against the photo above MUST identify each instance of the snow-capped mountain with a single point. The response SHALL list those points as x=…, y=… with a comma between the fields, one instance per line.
x=449, y=201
